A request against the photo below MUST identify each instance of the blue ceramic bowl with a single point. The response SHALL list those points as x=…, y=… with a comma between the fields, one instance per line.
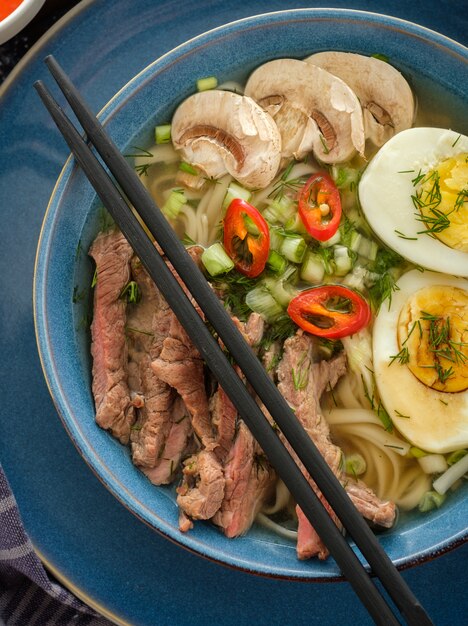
x=435, y=66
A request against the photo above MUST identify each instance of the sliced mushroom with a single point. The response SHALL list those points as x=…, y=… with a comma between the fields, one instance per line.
x=386, y=98
x=314, y=110
x=221, y=132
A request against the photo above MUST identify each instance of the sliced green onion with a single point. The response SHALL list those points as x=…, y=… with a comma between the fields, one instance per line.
x=235, y=191
x=281, y=291
x=455, y=456
x=312, y=270
x=294, y=248
x=355, y=242
x=343, y=262
x=355, y=464
x=295, y=224
x=189, y=169
x=344, y=176
x=279, y=211
x=417, y=453
x=131, y=293
x=368, y=249
x=332, y=241
x=431, y=500
x=216, y=260
x=204, y=84
x=162, y=134
x=454, y=472
x=276, y=239
x=261, y=301
x=433, y=463
x=290, y=275
x=276, y=262
x=175, y=201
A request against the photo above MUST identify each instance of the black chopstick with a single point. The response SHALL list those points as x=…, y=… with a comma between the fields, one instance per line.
x=196, y=283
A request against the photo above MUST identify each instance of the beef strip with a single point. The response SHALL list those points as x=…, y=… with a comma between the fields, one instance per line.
x=202, y=491
x=180, y=365
x=176, y=444
x=114, y=407
x=249, y=482
x=148, y=324
x=377, y=511
x=302, y=382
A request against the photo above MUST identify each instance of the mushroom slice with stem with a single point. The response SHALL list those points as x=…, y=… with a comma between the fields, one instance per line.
x=314, y=110
x=386, y=98
x=221, y=132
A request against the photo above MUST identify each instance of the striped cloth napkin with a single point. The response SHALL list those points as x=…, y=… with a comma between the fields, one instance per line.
x=28, y=595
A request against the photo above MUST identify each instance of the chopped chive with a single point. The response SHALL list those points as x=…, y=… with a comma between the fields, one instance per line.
x=162, y=133
x=189, y=169
x=380, y=57
x=276, y=262
x=216, y=260
x=456, y=141
x=205, y=84
x=431, y=500
x=456, y=456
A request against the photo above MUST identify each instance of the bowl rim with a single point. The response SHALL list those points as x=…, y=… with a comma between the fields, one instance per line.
x=107, y=478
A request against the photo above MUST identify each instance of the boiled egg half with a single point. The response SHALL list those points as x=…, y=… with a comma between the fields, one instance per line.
x=414, y=194
x=420, y=352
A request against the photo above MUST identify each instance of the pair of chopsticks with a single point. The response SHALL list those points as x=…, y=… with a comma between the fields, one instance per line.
x=136, y=194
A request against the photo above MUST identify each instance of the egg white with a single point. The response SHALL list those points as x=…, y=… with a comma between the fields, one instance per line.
x=435, y=421
x=385, y=192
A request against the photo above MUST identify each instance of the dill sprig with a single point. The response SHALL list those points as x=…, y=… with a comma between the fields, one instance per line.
x=426, y=201
x=402, y=357
x=142, y=168
x=385, y=285
x=286, y=184
x=300, y=375
x=443, y=346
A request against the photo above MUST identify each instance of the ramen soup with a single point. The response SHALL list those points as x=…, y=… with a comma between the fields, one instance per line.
x=7, y=7
x=333, y=224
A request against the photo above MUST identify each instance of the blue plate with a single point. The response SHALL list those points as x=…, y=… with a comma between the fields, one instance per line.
x=91, y=541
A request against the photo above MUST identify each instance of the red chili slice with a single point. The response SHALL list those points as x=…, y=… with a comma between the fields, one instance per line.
x=246, y=237
x=320, y=191
x=330, y=311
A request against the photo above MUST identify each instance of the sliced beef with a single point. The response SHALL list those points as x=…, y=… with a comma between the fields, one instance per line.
x=148, y=324
x=249, y=482
x=202, y=489
x=114, y=408
x=180, y=365
x=254, y=329
x=377, y=511
x=224, y=419
x=175, y=445
x=301, y=381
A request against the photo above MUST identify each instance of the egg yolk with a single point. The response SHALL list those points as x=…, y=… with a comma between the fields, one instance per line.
x=433, y=337
x=442, y=199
